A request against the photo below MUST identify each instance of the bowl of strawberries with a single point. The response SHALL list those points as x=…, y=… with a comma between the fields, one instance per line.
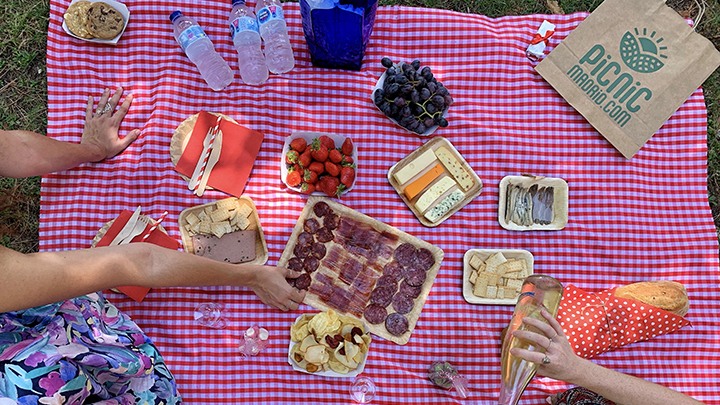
x=319, y=164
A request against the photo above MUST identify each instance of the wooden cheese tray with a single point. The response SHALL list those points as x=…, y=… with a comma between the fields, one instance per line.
x=343, y=254
x=434, y=144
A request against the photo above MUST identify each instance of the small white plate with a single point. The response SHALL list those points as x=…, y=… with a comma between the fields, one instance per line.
x=119, y=7
x=309, y=136
x=328, y=373
x=379, y=85
x=484, y=255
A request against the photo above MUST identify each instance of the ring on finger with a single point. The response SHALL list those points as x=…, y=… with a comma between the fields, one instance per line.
x=107, y=108
x=546, y=360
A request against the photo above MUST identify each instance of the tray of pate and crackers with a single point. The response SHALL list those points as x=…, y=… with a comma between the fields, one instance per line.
x=227, y=230
x=435, y=181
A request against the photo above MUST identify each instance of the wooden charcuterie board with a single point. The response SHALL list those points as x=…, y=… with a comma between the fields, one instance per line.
x=347, y=259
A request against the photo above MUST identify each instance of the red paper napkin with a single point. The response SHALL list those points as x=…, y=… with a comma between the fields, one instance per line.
x=157, y=237
x=599, y=322
x=240, y=147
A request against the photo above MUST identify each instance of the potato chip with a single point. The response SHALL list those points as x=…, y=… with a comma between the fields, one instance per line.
x=325, y=323
x=338, y=367
x=317, y=354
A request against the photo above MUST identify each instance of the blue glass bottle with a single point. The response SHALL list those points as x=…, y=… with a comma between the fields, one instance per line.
x=337, y=31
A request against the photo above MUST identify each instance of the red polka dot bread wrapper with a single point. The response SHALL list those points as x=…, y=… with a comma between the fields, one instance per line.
x=599, y=322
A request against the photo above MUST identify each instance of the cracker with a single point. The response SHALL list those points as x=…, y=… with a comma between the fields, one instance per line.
x=220, y=215
x=473, y=276
x=515, y=284
x=228, y=204
x=244, y=210
x=475, y=261
x=481, y=285
x=493, y=261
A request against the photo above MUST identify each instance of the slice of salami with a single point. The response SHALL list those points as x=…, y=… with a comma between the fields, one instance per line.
x=324, y=234
x=388, y=280
x=303, y=282
x=310, y=264
x=404, y=254
x=416, y=278
x=409, y=290
x=311, y=225
x=302, y=251
x=321, y=208
x=305, y=238
x=290, y=281
x=318, y=250
x=424, y=259
x=382, y=295
x=295, y=263
x=331, y=220
x=402, y=303
x=393, y=269
x=396, y=324
x=375, y=314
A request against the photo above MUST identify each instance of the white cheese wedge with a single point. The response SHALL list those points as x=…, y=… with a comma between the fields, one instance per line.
x=445, y=206
x=434, y=192
x=415, y=166
x=455, y=167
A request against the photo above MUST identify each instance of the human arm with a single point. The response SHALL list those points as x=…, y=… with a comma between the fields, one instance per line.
x=25, y=153
x=34, y=279
x=565, y=365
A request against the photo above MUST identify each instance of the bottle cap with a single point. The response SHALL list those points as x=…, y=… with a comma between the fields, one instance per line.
x=175, y=14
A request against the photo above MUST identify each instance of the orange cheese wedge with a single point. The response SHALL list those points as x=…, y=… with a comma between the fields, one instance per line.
x=414, y=188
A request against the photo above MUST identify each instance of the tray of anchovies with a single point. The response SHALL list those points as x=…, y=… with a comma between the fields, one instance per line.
x=533, y=203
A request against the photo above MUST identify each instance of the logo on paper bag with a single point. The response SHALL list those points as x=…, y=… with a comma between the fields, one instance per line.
x=612, y=86
x=642, y=53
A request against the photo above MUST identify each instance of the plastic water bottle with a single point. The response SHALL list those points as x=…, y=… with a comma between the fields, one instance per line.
x=245, y=34
x=278, y=51
x=200, y=50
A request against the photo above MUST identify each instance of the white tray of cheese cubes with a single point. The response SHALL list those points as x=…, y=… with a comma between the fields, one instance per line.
x=231, y=226
x=435, y=181
x=495, y=276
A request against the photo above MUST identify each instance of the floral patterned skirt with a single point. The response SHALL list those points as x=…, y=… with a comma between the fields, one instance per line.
x=80, y=351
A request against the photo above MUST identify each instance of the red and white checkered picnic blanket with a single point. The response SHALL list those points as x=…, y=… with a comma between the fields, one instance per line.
x=646, y=218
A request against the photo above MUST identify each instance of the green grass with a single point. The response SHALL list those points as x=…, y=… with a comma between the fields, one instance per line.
x=23, y=90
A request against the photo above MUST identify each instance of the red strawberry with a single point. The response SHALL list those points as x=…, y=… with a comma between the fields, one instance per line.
x=332, y=168
x=298, y=144
x=298, y=169
x=291, y=157
x=307, y=188
x=319, y=151
x=347, y=147
x=335, y=156
x=330, y=186
x=327, y=141
x=293, y=178
x=347, y=176
x=305, y=158
x=346, y=160
x=317, y=167
x=310, y=177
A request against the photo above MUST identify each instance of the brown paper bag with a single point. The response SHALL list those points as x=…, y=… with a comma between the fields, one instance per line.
x=628, y=67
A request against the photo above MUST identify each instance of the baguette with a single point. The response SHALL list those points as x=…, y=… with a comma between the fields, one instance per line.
x=668, y=295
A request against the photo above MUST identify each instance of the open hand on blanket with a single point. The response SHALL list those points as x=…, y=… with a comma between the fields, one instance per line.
x=102, y=126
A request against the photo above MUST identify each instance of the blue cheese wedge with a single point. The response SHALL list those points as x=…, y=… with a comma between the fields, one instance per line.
x=415, y=166
x=434, y=192
x=448, y=203
x=455, y=167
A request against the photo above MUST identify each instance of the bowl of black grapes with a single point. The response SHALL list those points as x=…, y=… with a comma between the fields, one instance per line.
x=411, y=97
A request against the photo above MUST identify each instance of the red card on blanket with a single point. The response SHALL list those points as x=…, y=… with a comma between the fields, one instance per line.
x=599, y=322
x=157, y=237
x=240, y=147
